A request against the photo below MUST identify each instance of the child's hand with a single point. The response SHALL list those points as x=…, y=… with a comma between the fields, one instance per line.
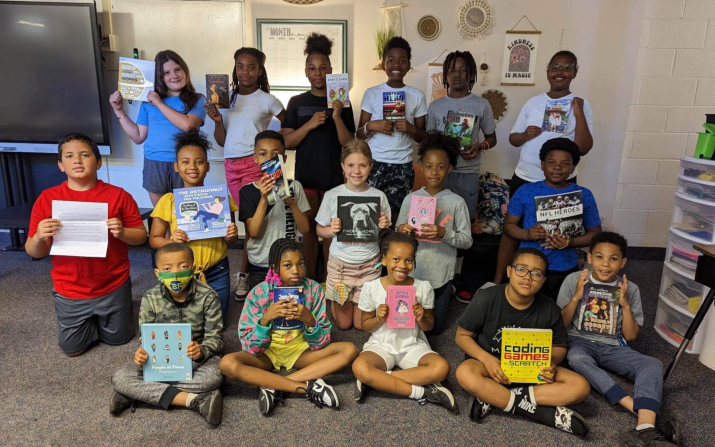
x=405, y=126
x=383, y=222
x=115, y=227
x=532, y=132
x=154, y=99
x=297, y=311
x=432, y=231
x=537, y=232
x=231, y=231
x=266, y=186
x=557, y=241
x=213, y=112
x=406, y=228
x=116, y=101
x=493, y=366
x=577, y=106
x=382, y=126
x=382, y=311
x=582, y=281
x=548, y=374
x=623, y=299
x=337, y=110
x=140, y=356
x=47, y=228
x=179, y=236
x=419, y=311
x=275, y=310
x=471, y=152
x=193, y=350
x=317, y=120
x=335, y=225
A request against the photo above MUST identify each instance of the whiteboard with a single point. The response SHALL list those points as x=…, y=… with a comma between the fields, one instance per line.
x=283, y=42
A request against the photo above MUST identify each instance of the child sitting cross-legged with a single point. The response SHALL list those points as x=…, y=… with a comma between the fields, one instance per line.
x=306, y=352
x=592, y=353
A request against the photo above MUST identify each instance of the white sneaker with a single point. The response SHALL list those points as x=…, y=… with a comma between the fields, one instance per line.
x=321, y=394
x=242, y=286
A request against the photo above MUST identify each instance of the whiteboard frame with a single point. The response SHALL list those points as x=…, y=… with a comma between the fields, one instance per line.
x=319, y=25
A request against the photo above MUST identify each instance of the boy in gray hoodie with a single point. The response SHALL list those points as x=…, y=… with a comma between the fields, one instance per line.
x=451, y=229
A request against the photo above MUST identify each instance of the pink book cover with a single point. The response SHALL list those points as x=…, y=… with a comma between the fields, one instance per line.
x=400, y=300
x=422, y=211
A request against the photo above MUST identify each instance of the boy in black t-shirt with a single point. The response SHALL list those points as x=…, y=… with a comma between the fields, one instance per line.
x=517, y=304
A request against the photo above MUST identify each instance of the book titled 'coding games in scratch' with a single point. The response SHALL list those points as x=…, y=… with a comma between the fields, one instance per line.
x=524, y=352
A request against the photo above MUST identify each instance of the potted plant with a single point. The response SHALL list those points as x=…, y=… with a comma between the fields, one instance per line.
x=382, y=36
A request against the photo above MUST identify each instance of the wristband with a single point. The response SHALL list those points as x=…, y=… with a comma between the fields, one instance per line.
x=123, y=116
x=485, y=142
x=366, y=132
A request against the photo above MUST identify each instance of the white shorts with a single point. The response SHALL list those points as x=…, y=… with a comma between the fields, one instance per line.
x=404, y=360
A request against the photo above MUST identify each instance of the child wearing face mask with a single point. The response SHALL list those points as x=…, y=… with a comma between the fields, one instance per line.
x=178, y=298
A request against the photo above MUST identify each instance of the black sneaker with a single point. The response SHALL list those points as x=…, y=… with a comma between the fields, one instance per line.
x=360, y=392
x=669, y=427
x=569, y=421
x=649, y=437
x=437, y=394
x=119, y=403
x=267, y=400
x=321, y=394
x=478, y=409
x=210, y=406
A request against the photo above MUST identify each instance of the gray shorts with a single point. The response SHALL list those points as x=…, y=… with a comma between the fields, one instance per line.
x=160, y=177
x=107, y=318
x=465, y=186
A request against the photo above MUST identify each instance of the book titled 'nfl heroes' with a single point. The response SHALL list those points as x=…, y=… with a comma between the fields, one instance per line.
x=165, y=345
x=524, y=352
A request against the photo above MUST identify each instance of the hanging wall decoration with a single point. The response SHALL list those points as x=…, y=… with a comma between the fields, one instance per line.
x=520, y=50
x=428, y=27
x=475, y=19
x=483, y=69
x=435, y=82
x=500, y=104
x=391, y=26
x=303, y=2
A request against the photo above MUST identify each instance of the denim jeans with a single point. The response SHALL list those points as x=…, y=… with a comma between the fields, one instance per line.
x=590, y=358
x=218, y=277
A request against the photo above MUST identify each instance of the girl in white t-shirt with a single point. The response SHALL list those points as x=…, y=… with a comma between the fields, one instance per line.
x=350, y=265
x=251, y=111
x=421, y=369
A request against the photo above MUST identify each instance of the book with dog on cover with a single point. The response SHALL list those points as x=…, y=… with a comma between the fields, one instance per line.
x=165, y=345
x=358, y=218
x=524, y=352
x=400, y=300
x=281, y=189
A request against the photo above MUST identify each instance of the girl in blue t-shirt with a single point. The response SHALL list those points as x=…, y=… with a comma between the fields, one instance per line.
x=173, y=107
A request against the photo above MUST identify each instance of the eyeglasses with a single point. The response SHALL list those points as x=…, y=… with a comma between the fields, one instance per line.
x=565, y=67
x=522, y=271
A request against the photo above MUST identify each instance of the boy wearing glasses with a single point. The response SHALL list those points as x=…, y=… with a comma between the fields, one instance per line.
x=559, y=157
x=518, y=304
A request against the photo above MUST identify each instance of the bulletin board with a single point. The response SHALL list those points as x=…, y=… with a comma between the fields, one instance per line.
x=283, y=42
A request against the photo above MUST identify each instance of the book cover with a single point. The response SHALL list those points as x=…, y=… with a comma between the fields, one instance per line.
x=274, y=168
x=524, y=352
x=400, y=300
x=561, y=214
x=338, y=89
x=165, y=345
x=203, y=212
x=288, y=293
x=136, y=78
x=598, y=309
x=556, y=115
x=460, y=125
x=393, y=105
x=422, y=211
x=358, y=218
x=217, y=90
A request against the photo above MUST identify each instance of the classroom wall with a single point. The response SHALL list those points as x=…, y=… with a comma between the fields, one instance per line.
x=673, y=90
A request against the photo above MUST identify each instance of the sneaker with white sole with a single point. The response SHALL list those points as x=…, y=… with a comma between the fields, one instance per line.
x=321, y=394
x=437, y=394
x=210, y=406
x=267, y=400
x=478, y=409
x=360, y=391
x=242, y=286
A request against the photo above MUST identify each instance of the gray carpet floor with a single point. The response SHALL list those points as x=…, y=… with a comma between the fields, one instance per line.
x=49, y=399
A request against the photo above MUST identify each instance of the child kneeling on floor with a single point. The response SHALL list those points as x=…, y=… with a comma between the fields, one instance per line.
x=518, y=304
x=179, y=298
x=591, y=353
x=421, y=369
x=308, y=352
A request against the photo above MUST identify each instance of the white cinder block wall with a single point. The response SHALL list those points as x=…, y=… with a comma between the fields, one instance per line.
x=674, y=87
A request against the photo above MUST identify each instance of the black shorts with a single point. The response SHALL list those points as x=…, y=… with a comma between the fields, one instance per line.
x=395, y=180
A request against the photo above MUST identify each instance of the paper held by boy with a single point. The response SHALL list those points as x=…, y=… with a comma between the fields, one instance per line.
x=83, y=231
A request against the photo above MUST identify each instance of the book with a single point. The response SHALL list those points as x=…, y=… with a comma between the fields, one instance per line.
x=274, y=168
x=556, y=115
x=203, y=212
x=338, y=89
x=217, y=90
x=358, y=218
x=560, y=214
x=524, y=352
x=460, y=125
x=393, y=105
x=136, y=78
x=288, y=293
x=598, y=309
x=165, y=345
x=422, y=211
x=400, y=300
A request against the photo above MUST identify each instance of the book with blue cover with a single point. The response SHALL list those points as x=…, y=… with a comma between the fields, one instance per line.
x=393, y=105
x=203, y=212
x=288, y=293
x=165, y=345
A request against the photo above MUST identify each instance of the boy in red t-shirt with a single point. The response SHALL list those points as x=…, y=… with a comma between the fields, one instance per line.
x=93, y=296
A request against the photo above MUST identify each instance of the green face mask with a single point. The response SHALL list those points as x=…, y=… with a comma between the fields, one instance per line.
x=176, y=281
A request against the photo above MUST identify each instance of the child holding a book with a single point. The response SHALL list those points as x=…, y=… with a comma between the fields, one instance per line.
x=421, y=369
x=306, y=353
x=210, y=255
x=351, y=264
x=559, y=157
x=251, y=111
x=318, y=134
x=173, y=107
x=450, y=230
x=518, y=304
x=392, y=115
x=93, y=296
x=591, y=351
x=178, y=298
x=267, y=222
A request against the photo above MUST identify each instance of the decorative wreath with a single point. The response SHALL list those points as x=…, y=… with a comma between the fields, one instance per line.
x=470, y=31
x=500, y=104
x=428, y=27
